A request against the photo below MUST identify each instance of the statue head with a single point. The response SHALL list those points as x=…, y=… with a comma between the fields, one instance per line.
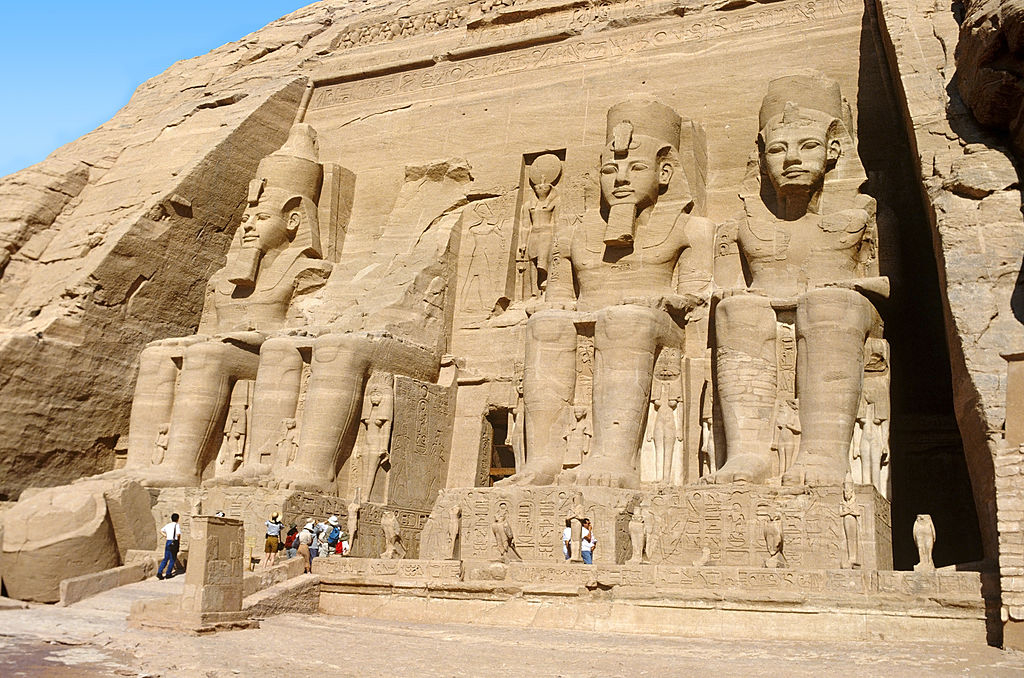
x=579, y=412
x=282, y=206
x=801, y=127
x=848, y=491
x=544, y=172
x=289, y=423
x=637, y=164
x=376, y=397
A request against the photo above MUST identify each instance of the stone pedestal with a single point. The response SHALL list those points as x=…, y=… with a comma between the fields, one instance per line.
x=712, y=525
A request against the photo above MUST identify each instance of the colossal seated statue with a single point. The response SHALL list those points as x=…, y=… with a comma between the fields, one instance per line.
x=804, y=254
x=185, y=383
x=626, y=257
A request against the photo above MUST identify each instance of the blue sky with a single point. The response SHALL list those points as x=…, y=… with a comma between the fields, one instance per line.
x=66, y=66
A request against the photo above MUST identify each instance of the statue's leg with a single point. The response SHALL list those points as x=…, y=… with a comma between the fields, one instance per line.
x=549, y=379
x=341, y=366
x=626, y=342
x=209, y=370
x=275, y=398
x=152, y=402
x=831, y=327
x=746, y=374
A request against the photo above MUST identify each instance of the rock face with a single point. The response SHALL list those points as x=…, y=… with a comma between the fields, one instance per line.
x=472, y=161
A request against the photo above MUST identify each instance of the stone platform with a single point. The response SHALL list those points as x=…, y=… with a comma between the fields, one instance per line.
x=711, y=524
x=706, y=602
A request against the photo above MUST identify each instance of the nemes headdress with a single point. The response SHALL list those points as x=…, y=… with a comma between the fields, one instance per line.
x=294, y=176
x=644, y=117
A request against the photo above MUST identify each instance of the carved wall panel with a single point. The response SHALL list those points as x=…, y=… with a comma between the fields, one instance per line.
x=420, y=443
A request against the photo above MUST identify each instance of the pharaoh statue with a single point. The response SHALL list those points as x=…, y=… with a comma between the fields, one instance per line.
x=275, y=257
x=577, y=438
x=626, y=257
x=804, y=245
x=537, y=223
x=288, y=443
x=850, y=514
x=666, y=431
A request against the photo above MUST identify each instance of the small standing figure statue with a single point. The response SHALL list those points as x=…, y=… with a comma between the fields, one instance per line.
x=787, y=433
x=516, y=436
x=503, y=536
x=773, y=540
x=640, y=527
x=160, y=444
x=850, y=513
x=393, y=548
x=707, y=464
x=234, y=434
x=378, y=434
x=288, y=445
x=538, y=220
x=577, y=438
x=924, y=538
x=665, y=433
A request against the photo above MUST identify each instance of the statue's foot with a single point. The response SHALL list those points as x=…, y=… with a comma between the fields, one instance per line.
x=813, y=471
x=528, y=476
x=602, y=472
x=302, y=485
x=741, y=468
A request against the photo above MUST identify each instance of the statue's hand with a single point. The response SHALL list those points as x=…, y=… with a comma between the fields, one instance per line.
x=250, y=337
x=181, y=341
x=877, y=286
x=671, y=303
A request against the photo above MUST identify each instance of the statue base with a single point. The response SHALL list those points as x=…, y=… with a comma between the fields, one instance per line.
x=707, y=525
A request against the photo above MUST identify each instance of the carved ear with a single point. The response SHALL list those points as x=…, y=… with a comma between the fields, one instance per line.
x=835, y=149
x=665, y=173
x=293, y=216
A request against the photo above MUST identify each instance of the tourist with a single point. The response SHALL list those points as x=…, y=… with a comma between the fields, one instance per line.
x=291, y=541
x=324, y=538
x=274, y=526
x=333, y=534
x=314, y=544
x=567, y=539
x=172, y=535
x=587, y=543
x=304, y=540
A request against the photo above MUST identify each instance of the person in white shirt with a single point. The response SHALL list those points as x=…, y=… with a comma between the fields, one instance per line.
x=587, y=543
x=567, y=539
x=172, y=535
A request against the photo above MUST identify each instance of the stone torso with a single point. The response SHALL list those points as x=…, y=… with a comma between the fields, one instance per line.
x=606, y=276
x=786, y=258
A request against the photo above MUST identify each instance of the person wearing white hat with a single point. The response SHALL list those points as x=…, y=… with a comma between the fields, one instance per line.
x=305, y=539
x=333, y=534
x=274, y=526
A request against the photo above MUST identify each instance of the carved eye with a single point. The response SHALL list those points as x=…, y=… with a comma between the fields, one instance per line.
x=810, y=144
x=609, y=169
x=262, y=217
x=775, y=149
x=639, y=166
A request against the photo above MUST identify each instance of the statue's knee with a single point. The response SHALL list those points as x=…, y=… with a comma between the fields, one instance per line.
x=637, y=323
x=204, y=355
x=551, y=326
x=342, y=349
x=834, y=305
x=745, y=317
x=279, y=349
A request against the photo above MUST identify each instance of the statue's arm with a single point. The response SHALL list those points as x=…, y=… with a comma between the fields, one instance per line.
x=697, y=259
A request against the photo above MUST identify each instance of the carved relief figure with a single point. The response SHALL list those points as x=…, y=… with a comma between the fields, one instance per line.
x=275, y=256
x=774, y=541
x=924, y=539
x=577, y=512
x=803, y=254
x=503, y=536
x=234, y=436
x=577, y=438
x=454, y=525
x=288, y=445
x=623, y=257
x=537, y=223
x=787, y=433
x=393, y=547
x=378, y=435
x=160, y=444
x=641, y=527
x=850, y=513
x=873, y=450
x=352, y=517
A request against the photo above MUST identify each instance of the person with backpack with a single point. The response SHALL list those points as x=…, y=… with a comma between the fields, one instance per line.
x=291, y=541
x=333, y=535
x=172, y=535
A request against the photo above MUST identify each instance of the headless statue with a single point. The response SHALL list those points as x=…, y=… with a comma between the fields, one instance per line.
x=247, y=301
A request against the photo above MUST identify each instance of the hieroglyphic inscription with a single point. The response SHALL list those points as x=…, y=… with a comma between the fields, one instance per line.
x=420, y=443
x=576, y=50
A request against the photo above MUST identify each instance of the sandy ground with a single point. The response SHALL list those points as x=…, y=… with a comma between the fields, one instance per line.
x=91, y=638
